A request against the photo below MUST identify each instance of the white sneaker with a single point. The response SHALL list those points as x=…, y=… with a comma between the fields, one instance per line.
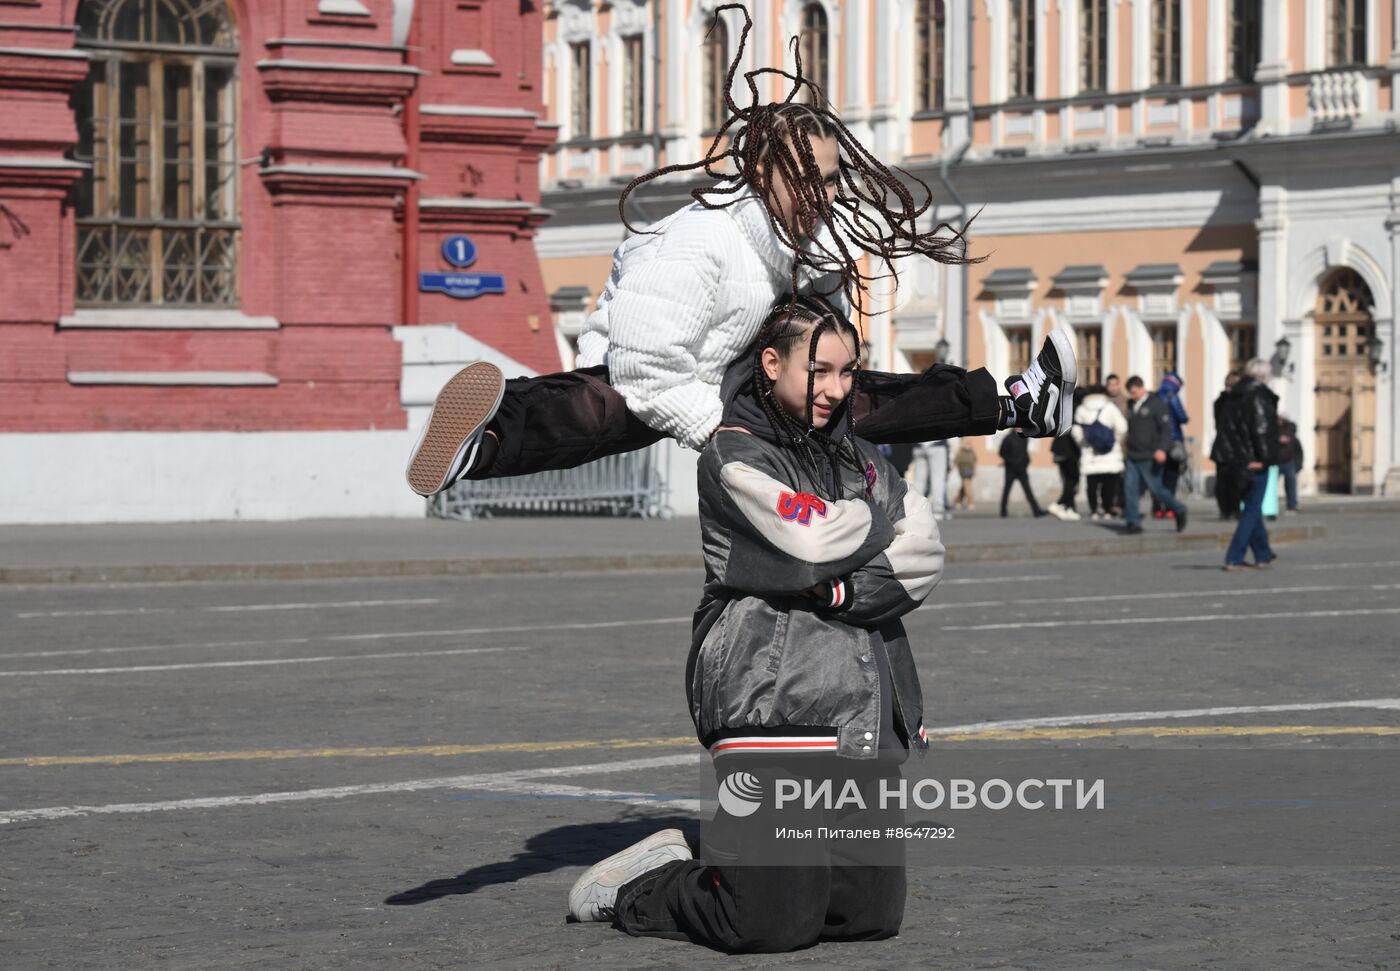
x=1056, y=510
x=594, y=895
x=1070, y=515
x=448, y=443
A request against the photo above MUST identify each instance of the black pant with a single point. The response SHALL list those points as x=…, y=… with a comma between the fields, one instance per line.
x=1102, y=491
x=719, y=901
x=1069, y=483
x=1228, y=495
x=1014, y=474
x=561, y=421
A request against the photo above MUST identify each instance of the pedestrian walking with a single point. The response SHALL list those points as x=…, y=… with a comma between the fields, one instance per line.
x=1290, y=460
x=1016, y=460
x=1066, y=452
x=1249, y=441
x=1227, y=477
x=965, y=460
x=1149, y=437
x=807, y=530
x=1113, y=387
x=807, y=204
x=1170, y=393
x=931, y=475
x=1099, y=430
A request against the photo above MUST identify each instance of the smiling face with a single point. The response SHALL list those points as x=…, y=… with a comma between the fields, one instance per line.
x=833, y=370
x=801, y=221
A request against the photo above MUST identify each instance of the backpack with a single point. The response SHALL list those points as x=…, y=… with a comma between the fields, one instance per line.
x=1098, y=436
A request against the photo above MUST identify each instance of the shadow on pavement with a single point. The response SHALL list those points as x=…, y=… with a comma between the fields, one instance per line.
x=580, y=845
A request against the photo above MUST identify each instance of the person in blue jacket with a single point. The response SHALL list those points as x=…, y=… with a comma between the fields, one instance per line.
x=1170, y=392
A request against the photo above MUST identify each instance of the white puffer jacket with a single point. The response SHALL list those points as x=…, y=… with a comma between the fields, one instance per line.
x=682, y=303
x=1101, y=407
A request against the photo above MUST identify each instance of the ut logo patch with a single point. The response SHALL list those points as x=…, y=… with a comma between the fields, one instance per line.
x=799, y=508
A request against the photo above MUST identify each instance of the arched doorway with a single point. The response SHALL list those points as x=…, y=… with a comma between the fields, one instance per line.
x=1345, y=441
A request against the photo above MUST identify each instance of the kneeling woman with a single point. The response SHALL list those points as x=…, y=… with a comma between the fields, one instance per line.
x=814, y=548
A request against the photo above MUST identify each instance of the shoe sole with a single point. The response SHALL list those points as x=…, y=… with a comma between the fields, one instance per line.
x=613, y=871
x=462, y=408
x=1069, y=376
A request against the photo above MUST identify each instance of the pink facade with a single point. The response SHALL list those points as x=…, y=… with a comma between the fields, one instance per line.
x=356, y=136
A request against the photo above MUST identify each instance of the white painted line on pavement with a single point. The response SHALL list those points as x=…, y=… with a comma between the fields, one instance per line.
x=232, y=608
x=1173, y=595
x=1109, y=717
x=389, y=635
x=1340, y=566
x=1197, y=619
x=262, y=662
x=1035, y=576
x=478, y=781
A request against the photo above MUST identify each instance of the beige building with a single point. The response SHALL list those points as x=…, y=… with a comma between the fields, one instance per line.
x=1180, y=184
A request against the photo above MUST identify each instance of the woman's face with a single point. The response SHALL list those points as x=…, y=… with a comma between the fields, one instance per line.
x=834, y=371
x=826, y=152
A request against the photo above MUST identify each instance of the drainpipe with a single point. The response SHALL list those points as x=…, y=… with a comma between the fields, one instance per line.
x=412, y=192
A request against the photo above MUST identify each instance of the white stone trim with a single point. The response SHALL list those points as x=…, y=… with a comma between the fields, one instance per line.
x=342, y=8
x=471, y=57
x=1315, y=35
x=164, y=318
x=476, y=111
x=175, y=378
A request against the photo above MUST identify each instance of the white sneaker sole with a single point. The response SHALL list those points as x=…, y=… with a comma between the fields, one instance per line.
x=463, y=407
x=596, y=890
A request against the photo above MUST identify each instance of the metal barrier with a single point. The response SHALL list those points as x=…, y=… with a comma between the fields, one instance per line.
x=631, y=484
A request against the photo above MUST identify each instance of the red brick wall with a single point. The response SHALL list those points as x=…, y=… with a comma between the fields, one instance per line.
x=321, y=251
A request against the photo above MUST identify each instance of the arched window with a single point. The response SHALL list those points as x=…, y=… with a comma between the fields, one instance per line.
x=1022, y=38
x=815, y=59
x=1243, y=38
x=1346, y=32
x=1166, y=41
x=157, y=212
x=716, y=71
x=932, y=33
x=1093, y=45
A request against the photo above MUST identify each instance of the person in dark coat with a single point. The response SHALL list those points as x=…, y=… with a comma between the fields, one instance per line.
x=1227, y=475
x=1290, y=459
x=1149, y=438
x=1015, y=458
x=1248, y=439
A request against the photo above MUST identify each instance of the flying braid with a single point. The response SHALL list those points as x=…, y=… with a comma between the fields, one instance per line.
x=875, y=211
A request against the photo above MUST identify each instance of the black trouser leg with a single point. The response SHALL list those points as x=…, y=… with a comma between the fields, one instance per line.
x=561, y=421
x=1009, y=476
x=942, y=402
x=718, y=901
x=1069, y=483
x=1025, y=480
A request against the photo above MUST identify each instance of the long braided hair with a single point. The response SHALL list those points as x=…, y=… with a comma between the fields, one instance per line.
x=806, y=317
x=875, y=211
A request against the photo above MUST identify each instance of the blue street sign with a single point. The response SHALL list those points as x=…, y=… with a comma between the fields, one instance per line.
x=463, y=286
x=459, y=251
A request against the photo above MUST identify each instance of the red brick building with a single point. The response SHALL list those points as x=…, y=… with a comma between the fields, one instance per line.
x=214, y=215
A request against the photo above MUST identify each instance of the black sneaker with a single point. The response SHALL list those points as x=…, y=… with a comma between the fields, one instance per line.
x=1181, y=520
x=1044, y=392
x=1132, y=529
x=448, y=444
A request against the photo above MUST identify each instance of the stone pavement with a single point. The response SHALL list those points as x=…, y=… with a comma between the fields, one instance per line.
x=324, y=549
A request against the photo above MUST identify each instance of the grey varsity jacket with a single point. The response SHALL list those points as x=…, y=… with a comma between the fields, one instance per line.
x=771, y=672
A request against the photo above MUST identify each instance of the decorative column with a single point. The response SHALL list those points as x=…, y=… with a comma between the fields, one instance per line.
x=1272, y=74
